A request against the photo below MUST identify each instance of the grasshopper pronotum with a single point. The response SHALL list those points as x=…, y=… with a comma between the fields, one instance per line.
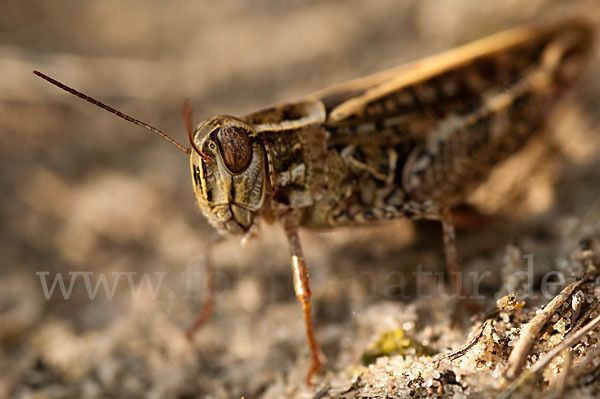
x=405, y=143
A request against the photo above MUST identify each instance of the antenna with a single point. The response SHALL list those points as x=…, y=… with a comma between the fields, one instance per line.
x=112, y=110
x=186, y=112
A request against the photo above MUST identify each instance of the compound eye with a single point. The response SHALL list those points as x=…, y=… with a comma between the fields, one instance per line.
x=235, y=148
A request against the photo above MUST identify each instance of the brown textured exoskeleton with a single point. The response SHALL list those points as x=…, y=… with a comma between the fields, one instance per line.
x=406, y=143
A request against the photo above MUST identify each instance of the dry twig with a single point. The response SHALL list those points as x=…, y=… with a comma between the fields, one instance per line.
x=532, y=330
x=539, y=366
x=462, y=350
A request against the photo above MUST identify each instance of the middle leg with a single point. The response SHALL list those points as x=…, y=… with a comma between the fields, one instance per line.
x=303, y=292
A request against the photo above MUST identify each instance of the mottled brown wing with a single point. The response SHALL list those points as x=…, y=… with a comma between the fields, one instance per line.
x=406, y=103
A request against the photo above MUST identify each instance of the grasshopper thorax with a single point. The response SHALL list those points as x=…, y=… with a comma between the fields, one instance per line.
x=229, y=173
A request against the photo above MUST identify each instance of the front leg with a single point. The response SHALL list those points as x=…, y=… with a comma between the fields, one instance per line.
x=209, y=298
x=302, y=289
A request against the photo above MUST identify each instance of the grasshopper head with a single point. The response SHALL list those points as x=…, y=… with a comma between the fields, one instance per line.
x=229, y=173
x=228, y=164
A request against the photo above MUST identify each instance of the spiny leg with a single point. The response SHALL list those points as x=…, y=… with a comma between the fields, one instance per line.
x=303, y=293
x=207, y=306
x=452, y=260
x=414, y=210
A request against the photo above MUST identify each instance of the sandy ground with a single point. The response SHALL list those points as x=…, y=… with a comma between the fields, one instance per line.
x=87, y=194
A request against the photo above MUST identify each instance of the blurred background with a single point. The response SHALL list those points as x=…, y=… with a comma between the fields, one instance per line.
x=84, y=191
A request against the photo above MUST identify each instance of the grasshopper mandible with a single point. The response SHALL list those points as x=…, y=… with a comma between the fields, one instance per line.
x=410, y=142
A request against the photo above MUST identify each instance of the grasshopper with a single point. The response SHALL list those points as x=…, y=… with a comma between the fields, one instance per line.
x=410, y=142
